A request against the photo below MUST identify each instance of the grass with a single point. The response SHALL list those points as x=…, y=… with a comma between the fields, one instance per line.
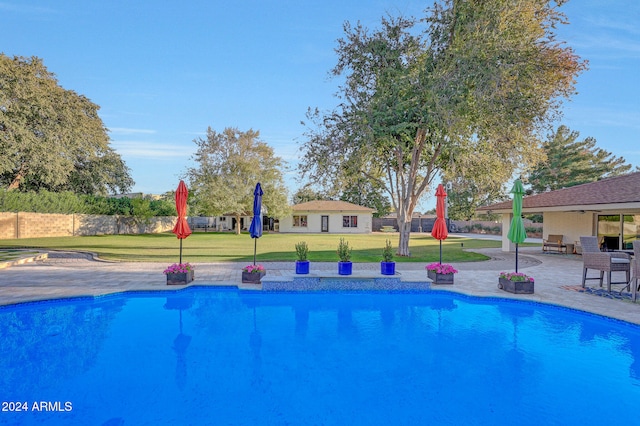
x=7, y=255
x=215, y=247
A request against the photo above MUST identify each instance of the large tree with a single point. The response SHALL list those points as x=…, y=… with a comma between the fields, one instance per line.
x=368, y=193
x=52, y=138
x=229, y=164
x=466, y=195
x=420, y=103
x=307, y=193
x=570, y=161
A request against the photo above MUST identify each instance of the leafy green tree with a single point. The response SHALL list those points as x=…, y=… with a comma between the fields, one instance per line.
x=368, y=193
x=52, y=138
x=306, y=193
x=42, y=202
x=418, y=102
x=229, y=164
x=467, y=194
x=571, y=161
x=163, y=207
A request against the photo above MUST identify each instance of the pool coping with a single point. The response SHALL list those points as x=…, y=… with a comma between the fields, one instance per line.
x=557, y=279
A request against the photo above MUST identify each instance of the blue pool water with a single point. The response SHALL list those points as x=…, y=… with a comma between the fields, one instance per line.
x=224, y=357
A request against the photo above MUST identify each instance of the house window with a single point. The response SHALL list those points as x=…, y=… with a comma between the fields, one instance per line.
x=300, y=221
x=618, y=231
x=349, y=221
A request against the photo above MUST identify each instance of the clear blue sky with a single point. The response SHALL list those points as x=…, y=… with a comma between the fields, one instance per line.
x=163, y=71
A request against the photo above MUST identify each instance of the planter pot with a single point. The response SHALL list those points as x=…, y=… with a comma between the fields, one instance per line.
x=517, y=287
x=388, y=268
x=302, y=266
x=180, y=278
x=345, y=268
x=252, y=277
x=440, y=278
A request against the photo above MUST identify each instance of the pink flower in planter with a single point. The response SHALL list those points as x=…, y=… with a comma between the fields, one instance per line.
x=254, y=269
x=178, y=268
x=515, y=276
x=441, y=268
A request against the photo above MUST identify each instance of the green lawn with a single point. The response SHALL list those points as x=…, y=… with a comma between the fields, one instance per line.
x=214, y=247
x=7, y=255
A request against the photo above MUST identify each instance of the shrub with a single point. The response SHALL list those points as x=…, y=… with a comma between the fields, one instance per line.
x=387, y=252
x=302, y=250
x=344, y=251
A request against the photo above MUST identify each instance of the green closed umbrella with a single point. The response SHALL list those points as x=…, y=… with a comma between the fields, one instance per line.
x=517, y=233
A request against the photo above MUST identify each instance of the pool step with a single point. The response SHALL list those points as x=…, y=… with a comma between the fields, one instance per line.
x=361, y=281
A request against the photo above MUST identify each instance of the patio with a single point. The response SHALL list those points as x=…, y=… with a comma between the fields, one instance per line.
x=557, y=279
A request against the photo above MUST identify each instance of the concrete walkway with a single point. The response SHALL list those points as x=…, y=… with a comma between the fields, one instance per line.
x=558, y=279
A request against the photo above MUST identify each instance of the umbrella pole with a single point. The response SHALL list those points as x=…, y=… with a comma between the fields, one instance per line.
x=255, y=246
x=441, y=252
x=181, y=250
x=516, y=258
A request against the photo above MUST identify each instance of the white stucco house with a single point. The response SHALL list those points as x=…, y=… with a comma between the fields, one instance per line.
x=334, y=217
x=608, y=209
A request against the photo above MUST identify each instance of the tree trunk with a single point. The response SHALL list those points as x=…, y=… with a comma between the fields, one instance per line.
x=15, y=183
x=237, y=224
x=404, y=228
x=409, y=186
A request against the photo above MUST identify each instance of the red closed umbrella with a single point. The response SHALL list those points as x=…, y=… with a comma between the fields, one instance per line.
x=181, y=229
x=439, y=230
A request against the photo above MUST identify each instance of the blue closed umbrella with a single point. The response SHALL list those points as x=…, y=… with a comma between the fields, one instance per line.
x=255, y=230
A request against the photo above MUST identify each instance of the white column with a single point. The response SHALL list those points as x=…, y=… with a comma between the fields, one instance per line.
x=507, y=245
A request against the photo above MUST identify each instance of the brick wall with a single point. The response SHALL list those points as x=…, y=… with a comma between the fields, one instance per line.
x=36, y=225
x=8, y=225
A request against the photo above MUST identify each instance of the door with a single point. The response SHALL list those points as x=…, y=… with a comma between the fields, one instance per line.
x=324, y=223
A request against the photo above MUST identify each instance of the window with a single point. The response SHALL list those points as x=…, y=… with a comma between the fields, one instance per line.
x=612, y=227
x=349, y=221
x=300, y=221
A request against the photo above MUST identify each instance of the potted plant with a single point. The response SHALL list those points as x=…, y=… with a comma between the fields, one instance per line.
x=179, y=274
x=302, y=263
x=252, y=274
x=344, y=254
x=441, y=273
x=387, y=266
x=516, y=282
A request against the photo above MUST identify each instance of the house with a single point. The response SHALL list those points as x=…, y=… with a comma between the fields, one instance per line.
x=227, y=222
x=608, y=208
x=336, y=217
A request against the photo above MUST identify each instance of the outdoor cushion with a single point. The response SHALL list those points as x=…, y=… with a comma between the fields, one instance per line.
x=619, y=260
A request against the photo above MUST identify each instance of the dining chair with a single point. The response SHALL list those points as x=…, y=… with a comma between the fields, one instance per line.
x=608, y=262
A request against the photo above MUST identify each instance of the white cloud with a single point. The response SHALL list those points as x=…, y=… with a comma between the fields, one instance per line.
x=150, y=150
x=128, y=131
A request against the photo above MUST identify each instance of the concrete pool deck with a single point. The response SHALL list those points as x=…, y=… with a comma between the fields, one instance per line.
x=68, y=274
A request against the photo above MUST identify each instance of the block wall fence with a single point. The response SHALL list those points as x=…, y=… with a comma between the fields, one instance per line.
x=36, y=225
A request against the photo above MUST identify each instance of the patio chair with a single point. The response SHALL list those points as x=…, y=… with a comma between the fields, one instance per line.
x=609, y=262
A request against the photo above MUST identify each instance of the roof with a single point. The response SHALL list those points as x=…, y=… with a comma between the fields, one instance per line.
x=330, y=206
x=623, y=189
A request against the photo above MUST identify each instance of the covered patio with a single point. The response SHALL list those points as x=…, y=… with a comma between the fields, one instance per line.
x=608, y=209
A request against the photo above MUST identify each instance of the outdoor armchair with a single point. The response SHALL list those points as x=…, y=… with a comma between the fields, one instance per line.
x=554, y=242
x=608, y=262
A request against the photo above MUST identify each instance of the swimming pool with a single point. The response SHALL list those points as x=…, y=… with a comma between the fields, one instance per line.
x=222, y=356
